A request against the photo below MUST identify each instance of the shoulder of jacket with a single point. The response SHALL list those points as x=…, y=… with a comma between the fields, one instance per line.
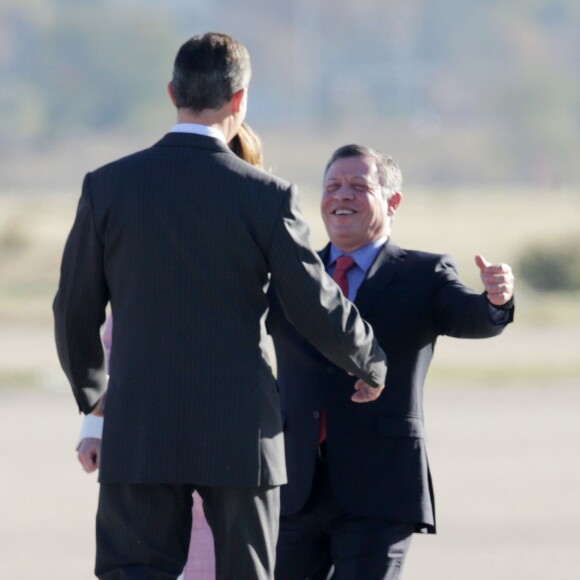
x=122, y=162
x=430, y=261
x=422, y=256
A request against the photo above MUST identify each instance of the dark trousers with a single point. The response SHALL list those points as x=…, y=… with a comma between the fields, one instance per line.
x=323, y=541
x=143, y=531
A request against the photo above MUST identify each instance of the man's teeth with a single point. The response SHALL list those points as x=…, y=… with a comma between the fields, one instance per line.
x=343, y=212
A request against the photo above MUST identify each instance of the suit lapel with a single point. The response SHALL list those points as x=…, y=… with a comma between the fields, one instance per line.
x=388, y=262
x=324, y=255
x=382, y=272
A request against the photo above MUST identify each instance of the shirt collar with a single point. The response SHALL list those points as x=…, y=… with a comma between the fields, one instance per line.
x=198, y=129
x=364, y=257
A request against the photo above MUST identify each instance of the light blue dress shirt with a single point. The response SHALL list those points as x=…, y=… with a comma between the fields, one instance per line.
x=364, y=258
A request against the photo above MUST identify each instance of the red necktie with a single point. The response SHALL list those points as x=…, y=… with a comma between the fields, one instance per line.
x=342, y=266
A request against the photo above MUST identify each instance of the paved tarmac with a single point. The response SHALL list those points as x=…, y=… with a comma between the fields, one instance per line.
x=505, y=463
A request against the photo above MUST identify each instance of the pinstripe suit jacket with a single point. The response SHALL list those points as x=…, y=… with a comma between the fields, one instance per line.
x=181, y=239
x=376, y=453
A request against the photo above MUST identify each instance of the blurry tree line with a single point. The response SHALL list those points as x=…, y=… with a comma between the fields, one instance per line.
x=491, y=86
x=552, y=266
x=462, y=91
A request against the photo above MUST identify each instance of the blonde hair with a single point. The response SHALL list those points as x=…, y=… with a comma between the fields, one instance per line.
x=248, y=146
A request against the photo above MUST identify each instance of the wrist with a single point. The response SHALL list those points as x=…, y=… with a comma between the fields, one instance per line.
x=92, y=428
x=507, y=306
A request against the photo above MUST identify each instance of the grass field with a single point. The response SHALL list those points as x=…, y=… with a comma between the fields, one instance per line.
x=498, y=224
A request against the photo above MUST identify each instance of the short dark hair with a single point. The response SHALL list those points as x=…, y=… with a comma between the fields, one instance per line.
x=208, y=70
x=390, y=176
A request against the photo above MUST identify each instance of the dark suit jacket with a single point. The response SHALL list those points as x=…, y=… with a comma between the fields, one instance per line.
x=376, y=455
x=182, y=238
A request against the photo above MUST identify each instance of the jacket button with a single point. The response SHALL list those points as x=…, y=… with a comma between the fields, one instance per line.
x=316, y=414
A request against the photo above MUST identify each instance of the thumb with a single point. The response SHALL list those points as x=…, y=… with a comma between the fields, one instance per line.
x=481, y=262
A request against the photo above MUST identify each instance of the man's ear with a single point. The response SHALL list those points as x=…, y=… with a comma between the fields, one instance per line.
x=171, y=92
x=394, y=202
x=238, y=100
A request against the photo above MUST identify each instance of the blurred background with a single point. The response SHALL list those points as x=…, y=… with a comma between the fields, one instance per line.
x=478, y=102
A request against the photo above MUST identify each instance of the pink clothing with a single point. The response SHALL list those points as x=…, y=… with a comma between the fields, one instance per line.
x=108, y=336
x=201, y=559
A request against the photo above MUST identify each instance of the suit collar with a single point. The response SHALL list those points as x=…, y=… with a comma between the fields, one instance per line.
x=391, y=254
x=198, y=129
x=193, y=140
x=382, y=272
x=325, y=254
x=385, y=266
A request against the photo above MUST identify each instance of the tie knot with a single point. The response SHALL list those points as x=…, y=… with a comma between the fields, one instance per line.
x=344, y=263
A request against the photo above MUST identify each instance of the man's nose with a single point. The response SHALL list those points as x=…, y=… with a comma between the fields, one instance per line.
x=344, y=192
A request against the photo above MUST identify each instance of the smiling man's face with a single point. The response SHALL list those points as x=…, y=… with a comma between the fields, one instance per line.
x=353, y=207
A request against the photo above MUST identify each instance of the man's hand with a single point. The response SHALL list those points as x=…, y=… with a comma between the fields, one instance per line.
x=497, y=279
x=365, y=393
x=89, y=454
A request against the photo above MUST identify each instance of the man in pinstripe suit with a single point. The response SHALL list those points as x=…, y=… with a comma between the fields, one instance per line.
x=181, y=240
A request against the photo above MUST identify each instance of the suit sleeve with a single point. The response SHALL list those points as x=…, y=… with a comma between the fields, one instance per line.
x=460, y=311
x=314, y=304
x=79, y=308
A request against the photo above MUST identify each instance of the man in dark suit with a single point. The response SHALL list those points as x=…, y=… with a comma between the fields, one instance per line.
x=181, y=239
x=355, y=499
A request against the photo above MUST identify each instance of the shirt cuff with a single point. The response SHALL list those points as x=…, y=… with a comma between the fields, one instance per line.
x=497, y=315
x=92, y=427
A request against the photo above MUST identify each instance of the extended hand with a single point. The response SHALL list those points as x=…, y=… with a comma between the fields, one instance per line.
x=365, y=393
x=498, y=280
x=89, y=454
